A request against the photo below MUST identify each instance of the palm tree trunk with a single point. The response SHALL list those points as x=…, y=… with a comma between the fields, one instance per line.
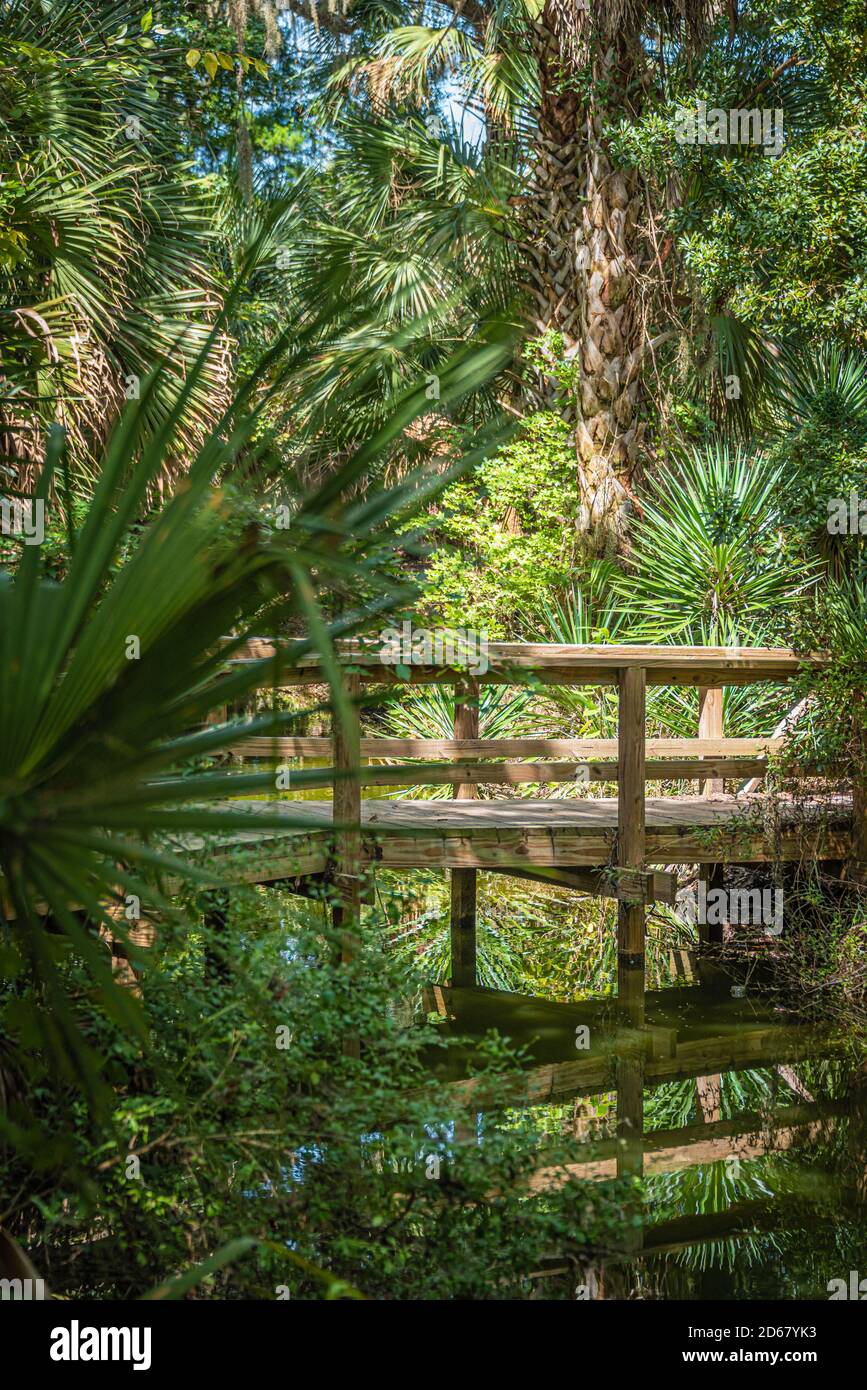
x=586, y=252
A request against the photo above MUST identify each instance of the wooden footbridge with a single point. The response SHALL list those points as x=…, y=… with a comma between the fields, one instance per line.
x=617, y=847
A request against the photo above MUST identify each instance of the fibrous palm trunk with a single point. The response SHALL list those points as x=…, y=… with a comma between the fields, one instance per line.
x=586, y=249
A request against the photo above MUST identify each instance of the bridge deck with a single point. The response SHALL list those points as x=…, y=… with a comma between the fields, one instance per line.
x=569, y=832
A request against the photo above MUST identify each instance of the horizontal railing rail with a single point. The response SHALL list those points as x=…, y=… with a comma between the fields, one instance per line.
x=487, y=761
x=550, y=663
x=322, y=746
x=434, y=774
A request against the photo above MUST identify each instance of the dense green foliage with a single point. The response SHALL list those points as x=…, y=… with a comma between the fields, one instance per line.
x=270, y=361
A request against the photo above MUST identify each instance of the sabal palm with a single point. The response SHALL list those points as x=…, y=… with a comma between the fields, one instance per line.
x=399, y=257
x=105, y=676
x=558, y=79
x=105, y=264
x=526, y=69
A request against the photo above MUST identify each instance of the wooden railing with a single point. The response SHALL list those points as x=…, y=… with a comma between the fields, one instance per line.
x=707, y=758
x=630, y=760
x=553, y=664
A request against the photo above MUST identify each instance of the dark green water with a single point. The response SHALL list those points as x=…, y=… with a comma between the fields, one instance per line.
x=750, y=1155
x=753, y=1176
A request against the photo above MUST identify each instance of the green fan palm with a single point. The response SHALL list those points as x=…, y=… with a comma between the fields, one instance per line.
x=105, y=677
x=401, y=255
x=105, y=261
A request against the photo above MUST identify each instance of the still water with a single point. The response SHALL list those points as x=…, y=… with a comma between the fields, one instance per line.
x=748, y=1136
x=743, y=1129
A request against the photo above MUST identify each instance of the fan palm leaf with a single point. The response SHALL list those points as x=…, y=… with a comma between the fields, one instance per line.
x=105, y=675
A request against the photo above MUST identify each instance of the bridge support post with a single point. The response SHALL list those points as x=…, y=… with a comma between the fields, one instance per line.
x=462, y=920
x=632, y=685
x=630, y=837
x=346, y=807
x=859, y=799
x=710, y=725
x=346, y=804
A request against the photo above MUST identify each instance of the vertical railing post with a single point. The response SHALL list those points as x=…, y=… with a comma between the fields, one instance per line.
x=346, y=808
x=630, y=917
x=859, y=796
x=630, y=832
x=462, y=920
x=710, y=725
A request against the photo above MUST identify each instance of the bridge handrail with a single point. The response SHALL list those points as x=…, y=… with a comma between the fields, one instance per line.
x=551, y=663
x=709, y=757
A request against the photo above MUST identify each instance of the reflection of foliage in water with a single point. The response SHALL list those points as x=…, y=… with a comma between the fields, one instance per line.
x=676, y=1104
x=544, y=941
x=812, y=1180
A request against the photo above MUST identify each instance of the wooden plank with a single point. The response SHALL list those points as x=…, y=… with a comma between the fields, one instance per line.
x=346, y=804
x=527, y=833
x=475, y=748
x=462, y=926
x=710, y=725
x=463, y=887
x=563, y=664
x=630, y=810
x=681, y=814
x=744, y=1137
x=713, y=878
x=610, y=882
x=682, y=964
x=469, y=775
x=466, y=727
x=708, y=1090
x=858, y=865
x=593, y=1074
x=630, y=916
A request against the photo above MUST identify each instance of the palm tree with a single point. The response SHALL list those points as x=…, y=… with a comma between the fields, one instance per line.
x=105, y=676
x=400, y=254
x=560, y=82
x=572, y=96
x=707, y=563
x=585, y=215
x=105, y=261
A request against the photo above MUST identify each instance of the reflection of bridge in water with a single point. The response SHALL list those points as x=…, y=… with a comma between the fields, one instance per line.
x=696, y=1034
